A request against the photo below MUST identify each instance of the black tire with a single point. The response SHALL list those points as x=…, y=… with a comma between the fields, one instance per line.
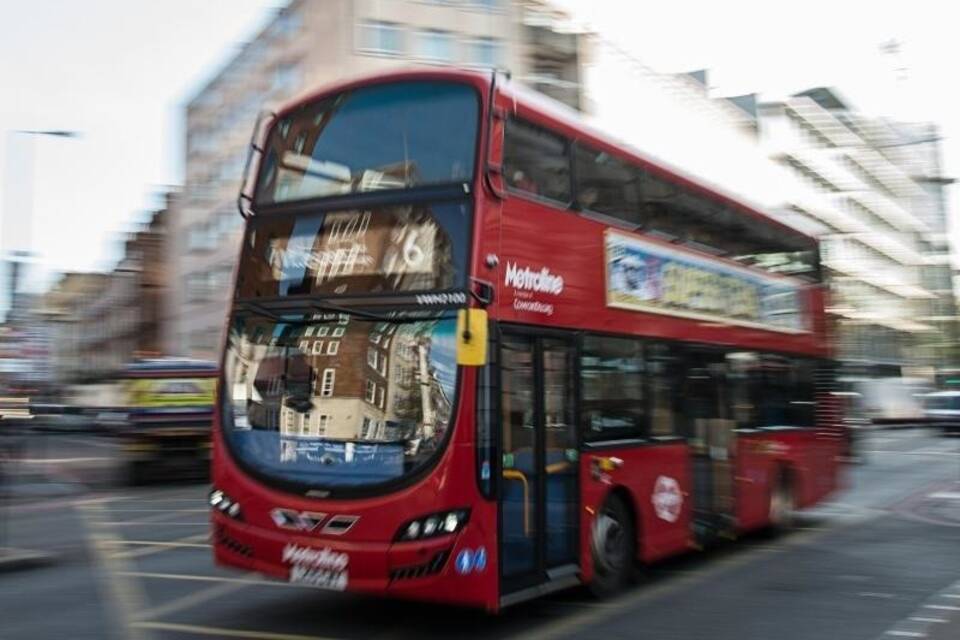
x=612, y=548
x=782, y=505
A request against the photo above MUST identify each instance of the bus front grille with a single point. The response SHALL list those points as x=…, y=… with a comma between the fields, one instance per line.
x=421, y=570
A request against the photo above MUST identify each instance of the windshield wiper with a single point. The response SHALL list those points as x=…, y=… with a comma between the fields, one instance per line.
x=282, y=315
x=329, y=307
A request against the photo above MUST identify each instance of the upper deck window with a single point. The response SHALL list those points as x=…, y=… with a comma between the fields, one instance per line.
x=391, y=136
x=536, y=161
x=608, y=185
x=629, y=194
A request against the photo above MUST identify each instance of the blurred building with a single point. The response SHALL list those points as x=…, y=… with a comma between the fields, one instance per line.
x=102, y=321
x=306, y=45
x=61, y=309
x=875, y=197
x=872, y=190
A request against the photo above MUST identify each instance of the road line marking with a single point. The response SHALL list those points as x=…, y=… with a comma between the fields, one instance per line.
x=906, y=634
x=92, y=443
x=922, y=619
x=151, y=548
x=184, y=510
x=162, y=514
x=193, y=599
x=580, y=621
x=196, y=578
x=124, y=596
x=62, y=460
x=220, y=631
x=945, y=495
x=950, y=595
x=107, y=523
x=182, y=542
x=870, y=594
x=941, y=607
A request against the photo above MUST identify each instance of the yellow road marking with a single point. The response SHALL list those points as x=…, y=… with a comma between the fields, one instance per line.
x=138, y=523
x=220, y=631
x=151, y=547
x=196, y=578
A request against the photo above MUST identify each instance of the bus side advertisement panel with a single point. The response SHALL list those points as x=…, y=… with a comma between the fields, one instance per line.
x=584, y=274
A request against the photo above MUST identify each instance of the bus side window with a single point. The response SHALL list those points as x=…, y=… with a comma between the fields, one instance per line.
x=536, y=161
x=745, y=385
x=611, y=378
x=607, y=185
x=662, y=368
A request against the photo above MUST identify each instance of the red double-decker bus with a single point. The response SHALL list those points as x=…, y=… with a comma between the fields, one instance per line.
x=479, y=352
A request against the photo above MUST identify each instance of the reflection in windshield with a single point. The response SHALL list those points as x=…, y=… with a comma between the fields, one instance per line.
x=337, y=401
x=391, y=136
x=389, y=249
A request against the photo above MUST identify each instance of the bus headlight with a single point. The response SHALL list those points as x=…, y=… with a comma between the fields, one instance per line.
x=225, y=504
x=433, y=525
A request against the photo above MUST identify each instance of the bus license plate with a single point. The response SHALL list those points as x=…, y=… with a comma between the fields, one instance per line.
x=317, y=567
x=320, y=578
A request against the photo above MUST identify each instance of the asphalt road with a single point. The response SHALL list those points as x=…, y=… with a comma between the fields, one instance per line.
x=882, y=560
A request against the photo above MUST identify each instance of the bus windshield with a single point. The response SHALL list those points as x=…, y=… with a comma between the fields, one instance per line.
x=331, y=401
x=388, y=249
x=390, y=136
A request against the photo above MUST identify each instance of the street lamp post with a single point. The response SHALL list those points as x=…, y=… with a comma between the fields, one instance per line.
x=17, y=214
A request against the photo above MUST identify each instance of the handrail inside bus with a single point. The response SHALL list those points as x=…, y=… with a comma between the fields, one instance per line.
x=513, y=474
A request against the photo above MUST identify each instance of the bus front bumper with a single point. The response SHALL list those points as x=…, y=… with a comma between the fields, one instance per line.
x=423, y=569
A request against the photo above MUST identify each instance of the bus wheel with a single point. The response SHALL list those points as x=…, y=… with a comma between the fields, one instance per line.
x=611, y=546
x=782, y=503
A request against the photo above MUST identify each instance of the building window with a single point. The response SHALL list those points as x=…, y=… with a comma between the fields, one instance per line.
x=371, y=391
x=322, y=424
x=372, y=358
x=322, y=331
x=434, y=44
x=338, y=332
x=286, y=78
x=198, y=287
x=381, y=37
x=365, y=429
x=318, y=347
x=380, y=397
x=305, y=424
x=288, y=23
x=333, y=347
x=326, y=384
x=486, y=52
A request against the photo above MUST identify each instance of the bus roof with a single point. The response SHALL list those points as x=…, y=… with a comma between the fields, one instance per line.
x=562, y=118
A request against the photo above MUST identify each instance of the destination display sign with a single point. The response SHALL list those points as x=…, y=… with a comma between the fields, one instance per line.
x=645, y=276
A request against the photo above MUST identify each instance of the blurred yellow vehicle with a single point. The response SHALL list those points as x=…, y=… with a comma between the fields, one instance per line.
x=166, y=419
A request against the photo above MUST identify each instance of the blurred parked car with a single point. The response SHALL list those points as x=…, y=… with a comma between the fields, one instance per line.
x=943, y=410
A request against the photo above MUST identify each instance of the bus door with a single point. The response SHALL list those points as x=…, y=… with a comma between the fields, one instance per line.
x=708, y=430
x=539, y=489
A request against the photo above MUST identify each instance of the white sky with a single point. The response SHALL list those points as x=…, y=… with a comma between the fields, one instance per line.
x=120, y=71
